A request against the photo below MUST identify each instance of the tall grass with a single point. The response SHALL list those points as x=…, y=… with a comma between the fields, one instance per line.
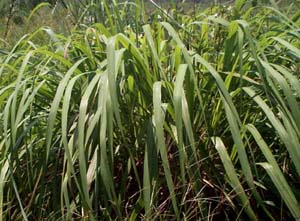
x=193, y=117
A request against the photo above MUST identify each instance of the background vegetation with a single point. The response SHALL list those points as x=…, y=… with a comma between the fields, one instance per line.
x=118, y=111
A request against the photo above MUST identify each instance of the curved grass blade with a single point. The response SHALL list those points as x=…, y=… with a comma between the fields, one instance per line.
x=232, y=177
x=290, y=141
x=275, y=173
x=55, y=105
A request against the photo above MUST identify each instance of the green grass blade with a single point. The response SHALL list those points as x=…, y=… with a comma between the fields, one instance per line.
x=3, y=180
x=159, y=133
x=83, y=116
x=178, y=93
x=55, y=105
x=25, y=217
x=275, y=173
x=283, y=188
x=292, y=48
x=233, y=178
x=290, y=142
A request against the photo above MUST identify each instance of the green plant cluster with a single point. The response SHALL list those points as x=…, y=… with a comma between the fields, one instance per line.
x=168, y=116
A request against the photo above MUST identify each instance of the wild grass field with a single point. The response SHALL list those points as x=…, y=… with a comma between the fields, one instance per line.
x=111, y=113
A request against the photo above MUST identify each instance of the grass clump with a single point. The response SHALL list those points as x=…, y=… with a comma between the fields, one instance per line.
x=168, y=118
